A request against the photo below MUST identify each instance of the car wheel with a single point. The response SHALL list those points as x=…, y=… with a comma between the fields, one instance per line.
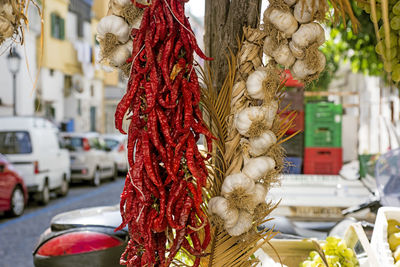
x=17, y=202
x=44, y=197
x=63, y=191
x=96, y=178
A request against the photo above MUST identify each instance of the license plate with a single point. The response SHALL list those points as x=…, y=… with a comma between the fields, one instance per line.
x=316, y=212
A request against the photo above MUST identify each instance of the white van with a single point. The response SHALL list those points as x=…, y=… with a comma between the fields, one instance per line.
x=32, y=146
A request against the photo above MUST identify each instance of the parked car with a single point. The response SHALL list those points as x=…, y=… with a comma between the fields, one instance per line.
x=117, y=144
x=89, y=158
x=31, y=144
x=13, y=192
x=83, y=237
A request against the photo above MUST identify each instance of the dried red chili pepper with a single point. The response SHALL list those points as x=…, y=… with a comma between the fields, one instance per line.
x=163, y=191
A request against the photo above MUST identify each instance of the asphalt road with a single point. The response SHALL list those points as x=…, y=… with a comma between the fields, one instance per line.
x=18, y=236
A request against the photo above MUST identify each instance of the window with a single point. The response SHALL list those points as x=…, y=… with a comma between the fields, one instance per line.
x=49, y=110
x=96, y=143
x=67, y=85
x=57, y=27
x=111, y=143
x=73, y=143
x=15, y=143
x=93, y=119
x=79, y=111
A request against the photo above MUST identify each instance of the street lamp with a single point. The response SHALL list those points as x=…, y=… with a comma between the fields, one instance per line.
x=14, y=60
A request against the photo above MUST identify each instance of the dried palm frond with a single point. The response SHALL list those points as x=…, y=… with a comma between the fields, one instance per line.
x=218, y=106
x=343, y=9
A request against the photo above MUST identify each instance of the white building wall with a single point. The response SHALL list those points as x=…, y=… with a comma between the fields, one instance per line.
x=26, y=76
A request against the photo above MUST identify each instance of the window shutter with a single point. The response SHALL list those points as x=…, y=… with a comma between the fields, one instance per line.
x=62, y=29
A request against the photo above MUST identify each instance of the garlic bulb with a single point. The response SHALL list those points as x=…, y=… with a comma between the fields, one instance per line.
x=308, y=34
x=296, y=51
x=243, y=224
x=245, y=118
x=282, y=20
x=284, y=56
x=256, y=168
x=272, y=109
x=268, y=47
x=254, y=84
x=7, y=11
x=303, y=10
x=281, y=54
x=219, y=206
x=260, y=144
x=290, y=2
x=137, y=22
x=121, y=54
x=236, y=181
x=301, y=70
x=260, y=193
x=121, y=2
x=114, y=25
x=6, y=29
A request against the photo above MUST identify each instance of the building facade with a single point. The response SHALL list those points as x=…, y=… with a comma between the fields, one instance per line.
x=71, y=83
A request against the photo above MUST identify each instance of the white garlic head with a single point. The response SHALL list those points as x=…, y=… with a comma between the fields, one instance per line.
x=260, y=193
x=300, y=70
x=308, y=34
x=114, y=25
x=268, y=47
x=236, y=181
x=260, y=144
x=290, y=2
x=284, y=56
x=303, y=11
x=296, y=51
x=272, y=109
x=6, y=28
x=282, y=20
x=254, y=84
x=247, y=116
x=219, y=206
x=243, y=224
x=256, y=168
x=121, y=54
x=121, y=2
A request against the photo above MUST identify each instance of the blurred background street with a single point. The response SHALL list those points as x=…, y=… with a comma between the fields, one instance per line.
x=18, y=236
x=60, y=151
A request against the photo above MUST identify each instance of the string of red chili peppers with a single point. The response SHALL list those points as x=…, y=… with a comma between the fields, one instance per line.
x=162, y=196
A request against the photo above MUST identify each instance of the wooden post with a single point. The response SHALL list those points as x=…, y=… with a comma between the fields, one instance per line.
x=224, y=22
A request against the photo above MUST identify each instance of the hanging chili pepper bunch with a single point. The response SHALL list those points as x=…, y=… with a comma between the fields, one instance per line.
x=162, y=199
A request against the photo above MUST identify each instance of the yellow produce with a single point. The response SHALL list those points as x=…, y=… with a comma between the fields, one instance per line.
x=396, y=254
x=394, y=241
x=396, y=78
x=392, y=226
x=397, y=264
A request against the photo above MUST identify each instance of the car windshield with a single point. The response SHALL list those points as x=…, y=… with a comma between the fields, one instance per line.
x=111, y=143
x=17, y=142
x=73, y=143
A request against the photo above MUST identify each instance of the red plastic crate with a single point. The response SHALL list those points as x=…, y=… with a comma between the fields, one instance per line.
x=291, y=82
x=318, y=160
x=298, y=123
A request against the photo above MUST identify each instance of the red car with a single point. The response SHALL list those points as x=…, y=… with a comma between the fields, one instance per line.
x=13, y=192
